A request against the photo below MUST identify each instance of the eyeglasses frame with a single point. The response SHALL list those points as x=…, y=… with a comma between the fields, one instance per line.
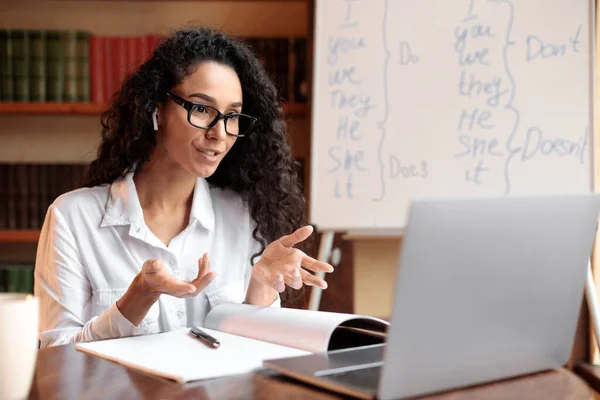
x=190, y=106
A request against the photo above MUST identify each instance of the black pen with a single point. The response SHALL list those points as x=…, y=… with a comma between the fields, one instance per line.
x=205, y=337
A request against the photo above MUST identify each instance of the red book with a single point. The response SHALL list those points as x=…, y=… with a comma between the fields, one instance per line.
x=107, y=72
x=132, y=62
x=119, y=62
x=96, y=69
x=154, y=41
x=142, y=50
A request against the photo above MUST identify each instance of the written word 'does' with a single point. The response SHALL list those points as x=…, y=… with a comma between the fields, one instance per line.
x=399, y=169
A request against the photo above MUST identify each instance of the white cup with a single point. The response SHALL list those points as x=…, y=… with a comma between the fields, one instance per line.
x=19, y=316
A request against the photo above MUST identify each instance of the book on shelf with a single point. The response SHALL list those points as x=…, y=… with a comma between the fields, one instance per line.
x=26, y=191
x=16, y=278
x=79, y=66
x=248, y=335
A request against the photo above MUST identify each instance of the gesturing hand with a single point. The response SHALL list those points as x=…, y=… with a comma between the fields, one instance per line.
x=156, y=278
x=281, y=264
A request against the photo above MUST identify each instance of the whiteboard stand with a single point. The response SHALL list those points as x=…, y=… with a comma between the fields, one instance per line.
x=324, y=253
x=592, y=301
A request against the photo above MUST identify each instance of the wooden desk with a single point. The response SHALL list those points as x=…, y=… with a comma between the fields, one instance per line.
x=64, y=373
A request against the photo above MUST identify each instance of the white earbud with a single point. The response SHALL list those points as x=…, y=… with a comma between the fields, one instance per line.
x=154, y=120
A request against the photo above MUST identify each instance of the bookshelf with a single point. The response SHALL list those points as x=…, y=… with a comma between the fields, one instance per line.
x=290, y=109
x=48, y=133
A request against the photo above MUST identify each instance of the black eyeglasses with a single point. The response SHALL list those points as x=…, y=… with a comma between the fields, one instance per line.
x=204, y=116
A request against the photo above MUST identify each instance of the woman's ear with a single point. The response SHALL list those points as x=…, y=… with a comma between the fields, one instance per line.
x=155, y=119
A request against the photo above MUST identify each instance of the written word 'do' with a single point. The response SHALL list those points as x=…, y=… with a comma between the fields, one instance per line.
x=407, y=56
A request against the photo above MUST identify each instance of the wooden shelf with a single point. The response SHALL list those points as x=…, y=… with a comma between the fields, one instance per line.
x=296, y=109
x=234, y=1
x=19, y=236
x=51, y=108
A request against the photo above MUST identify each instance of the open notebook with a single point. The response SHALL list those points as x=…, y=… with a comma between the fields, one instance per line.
x=248, y=335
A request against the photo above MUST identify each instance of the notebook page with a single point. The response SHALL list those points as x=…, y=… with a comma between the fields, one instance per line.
x=179, y=356
x=301, y=329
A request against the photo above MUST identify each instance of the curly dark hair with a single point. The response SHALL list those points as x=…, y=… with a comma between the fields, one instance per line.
x=260, y=167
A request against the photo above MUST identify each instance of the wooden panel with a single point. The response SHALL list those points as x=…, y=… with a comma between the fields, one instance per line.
x=338, y=297
x=257, y=18
x=375, y=269
x=299, y=132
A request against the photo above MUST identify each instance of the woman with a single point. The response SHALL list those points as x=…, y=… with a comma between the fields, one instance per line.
x=194, y=180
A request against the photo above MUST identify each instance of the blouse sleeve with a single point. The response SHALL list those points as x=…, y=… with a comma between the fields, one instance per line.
x=64, y=291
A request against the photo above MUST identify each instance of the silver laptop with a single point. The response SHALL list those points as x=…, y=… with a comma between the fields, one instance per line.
x=487, y=289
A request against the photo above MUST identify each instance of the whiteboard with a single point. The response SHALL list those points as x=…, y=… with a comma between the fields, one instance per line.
x=447, y=98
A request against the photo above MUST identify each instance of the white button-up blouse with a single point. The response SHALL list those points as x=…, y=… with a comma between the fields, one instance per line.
x=94, y=241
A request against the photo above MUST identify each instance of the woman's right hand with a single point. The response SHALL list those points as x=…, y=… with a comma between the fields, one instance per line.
x=155, y=279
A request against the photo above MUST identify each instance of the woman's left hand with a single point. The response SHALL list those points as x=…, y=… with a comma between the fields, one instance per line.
x=281, y=264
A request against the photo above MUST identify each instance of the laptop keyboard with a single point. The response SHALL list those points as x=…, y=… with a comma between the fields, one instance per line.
x=365, y=379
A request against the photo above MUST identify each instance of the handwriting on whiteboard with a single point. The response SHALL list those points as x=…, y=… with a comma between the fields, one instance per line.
x=487, y=127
